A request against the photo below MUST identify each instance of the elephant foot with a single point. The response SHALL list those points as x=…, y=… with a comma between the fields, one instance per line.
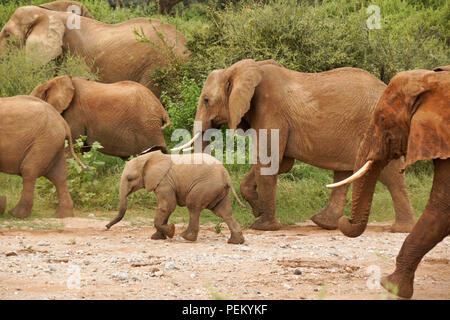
x=158, y=235
x=403, y=226
x=266, y=224
x=326, y=220
x=2, y=204
x=399, y=285
x=236, y=238
x=171, y=231
x=20, y=212
x=64, y=212
x=189, y=235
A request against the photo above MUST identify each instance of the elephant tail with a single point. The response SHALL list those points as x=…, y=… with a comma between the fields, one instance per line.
x=72, y=151
x=230, y=184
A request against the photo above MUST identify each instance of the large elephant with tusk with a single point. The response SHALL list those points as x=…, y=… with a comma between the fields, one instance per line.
x=411, y=119
x=320, y=118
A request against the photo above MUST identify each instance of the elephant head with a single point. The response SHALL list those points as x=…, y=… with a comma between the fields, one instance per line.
x=58, y=92
x=39, y=30
x=145, y=171
x=227, y=94
x=411, y=118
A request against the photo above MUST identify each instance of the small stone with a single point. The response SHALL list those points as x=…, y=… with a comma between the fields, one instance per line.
x=51, y=268
x=170, y=265
x=158, y=273
x=283, y=245
x=91, y=215
x=123, y=276
x=245, y=248
x=43, y=244
x=193, y=276
x=297, y=272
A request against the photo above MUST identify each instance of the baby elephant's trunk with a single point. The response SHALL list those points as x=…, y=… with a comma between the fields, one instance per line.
x=123, y=208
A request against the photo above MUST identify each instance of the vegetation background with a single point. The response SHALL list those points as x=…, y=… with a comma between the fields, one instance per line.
x=303, y=35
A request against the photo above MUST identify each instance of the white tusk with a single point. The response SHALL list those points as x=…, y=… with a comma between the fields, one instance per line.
x=188, y=149
x=358, y=174
x=186, y=144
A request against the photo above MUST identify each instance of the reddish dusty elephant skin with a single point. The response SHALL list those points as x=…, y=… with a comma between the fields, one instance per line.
x=181, y=180
x=111, y=49
x=125, y=117
x=27, y=124
x=321, y=119
x=64, y=6
x=412, y=118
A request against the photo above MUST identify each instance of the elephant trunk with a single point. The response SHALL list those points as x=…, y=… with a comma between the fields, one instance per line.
x=363, y=190
x=123, y=194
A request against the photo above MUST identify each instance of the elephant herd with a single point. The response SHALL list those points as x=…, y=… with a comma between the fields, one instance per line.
x=343, y=120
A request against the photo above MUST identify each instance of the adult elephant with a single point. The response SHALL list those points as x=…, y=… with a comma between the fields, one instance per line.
x=125, y=117
x=112, y=50
x=68, y=6
x=32, y=138
x=411, y=119
x=321, y=118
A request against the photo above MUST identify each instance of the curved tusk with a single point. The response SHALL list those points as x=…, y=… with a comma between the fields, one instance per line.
x=188, y=149
x=358, y=174
x=186, y=144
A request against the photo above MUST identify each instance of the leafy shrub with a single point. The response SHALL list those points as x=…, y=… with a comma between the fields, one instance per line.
x=312, y=38
x=20, y=73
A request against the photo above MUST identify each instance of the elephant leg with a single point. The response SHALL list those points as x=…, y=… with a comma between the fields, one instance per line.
x=432, y=227
x=58, y=176
x=25, y=204
x=267, y=194
x=395, y=182
x=2, y=204
x=224, y=211
x=328, y=217
x=166, y=205
x=248, y=191
x=191, y=231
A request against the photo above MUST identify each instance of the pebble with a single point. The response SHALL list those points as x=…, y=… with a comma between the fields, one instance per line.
x=245, y=248
x=170, y=265
x=297, y=272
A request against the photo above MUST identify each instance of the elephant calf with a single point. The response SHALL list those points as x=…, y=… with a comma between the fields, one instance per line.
x=125, y=117
x=181, y=180
x=32, y=136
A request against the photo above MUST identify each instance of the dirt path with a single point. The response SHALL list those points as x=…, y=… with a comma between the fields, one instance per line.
x=83, y=261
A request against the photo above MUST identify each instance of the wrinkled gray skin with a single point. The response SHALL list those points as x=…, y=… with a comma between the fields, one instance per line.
x=125, y=117
x=177, y=180
x=32, y=136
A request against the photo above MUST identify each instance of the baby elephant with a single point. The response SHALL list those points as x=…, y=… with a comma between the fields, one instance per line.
x=197, y=181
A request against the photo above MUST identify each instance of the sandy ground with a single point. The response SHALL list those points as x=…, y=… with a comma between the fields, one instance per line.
x=83, y=261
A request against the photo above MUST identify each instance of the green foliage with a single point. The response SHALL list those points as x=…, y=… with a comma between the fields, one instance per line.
x=181, y=106
x=20, y=73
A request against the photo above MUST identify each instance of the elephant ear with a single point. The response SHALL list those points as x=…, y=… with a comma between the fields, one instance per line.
x=243, y=77
x=443, y=68
x=155, y=169
x=429, y=134
x=58, y=92
x=45, y=37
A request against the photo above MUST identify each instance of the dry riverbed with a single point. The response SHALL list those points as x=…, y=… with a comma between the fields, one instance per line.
x=81, y=260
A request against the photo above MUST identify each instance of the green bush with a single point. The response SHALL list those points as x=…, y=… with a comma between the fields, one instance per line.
x=20, y=73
